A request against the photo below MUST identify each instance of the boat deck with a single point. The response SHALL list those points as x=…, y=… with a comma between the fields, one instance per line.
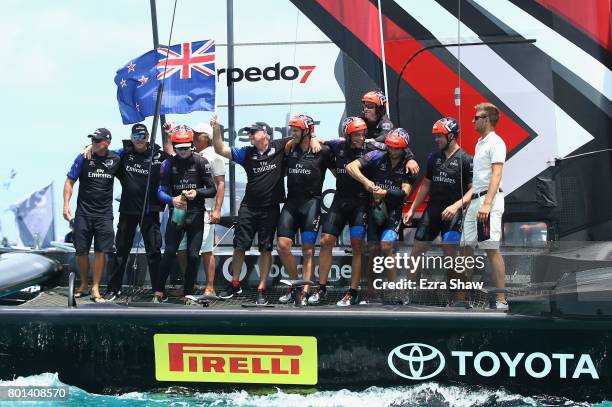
x=425, y=300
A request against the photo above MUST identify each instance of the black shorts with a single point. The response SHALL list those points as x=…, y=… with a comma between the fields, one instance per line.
x=343, y=211
x=303, y=215
x=99, y=229
x=252, y=220
x=432, y=225
x=386, y=231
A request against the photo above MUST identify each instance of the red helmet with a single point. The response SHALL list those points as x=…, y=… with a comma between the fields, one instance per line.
x=376, y=97
x=397, y=138
x=181, y=134
x=303, y=122
x=353, y=124
x=446, y=126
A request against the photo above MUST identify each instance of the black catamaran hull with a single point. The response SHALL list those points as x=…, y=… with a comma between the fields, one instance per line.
x=103, y=350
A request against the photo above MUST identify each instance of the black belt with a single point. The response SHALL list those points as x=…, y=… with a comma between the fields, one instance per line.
x=481, y=193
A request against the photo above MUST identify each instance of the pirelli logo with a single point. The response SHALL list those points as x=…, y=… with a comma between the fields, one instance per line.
x=236, y=358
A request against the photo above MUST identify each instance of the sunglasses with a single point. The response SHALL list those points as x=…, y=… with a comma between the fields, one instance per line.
x=182, y=148
x=369, y=105
x=97, y=140
x=139, y=137
x=480, y=117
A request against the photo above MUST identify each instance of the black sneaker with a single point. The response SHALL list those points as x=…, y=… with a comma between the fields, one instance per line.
x=112, y=295
x=261, y=298
x=230, y=291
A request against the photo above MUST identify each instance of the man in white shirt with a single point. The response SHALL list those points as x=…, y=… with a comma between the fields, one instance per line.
x=483, y=221
x=202, y=141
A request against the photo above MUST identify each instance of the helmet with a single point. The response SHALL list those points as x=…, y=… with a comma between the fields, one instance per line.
x=446, y=126
x=379, y=99
x=181, y=135
x=353, y=124
x=376, y=97
x=397, y=138
x=303, y=122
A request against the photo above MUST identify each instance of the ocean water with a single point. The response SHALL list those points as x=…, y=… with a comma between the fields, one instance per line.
x=425, y=394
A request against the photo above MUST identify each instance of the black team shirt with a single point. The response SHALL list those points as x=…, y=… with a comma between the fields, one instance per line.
x=446, y=176
x=96, y=177
x=306, y=173
x=133, y=173
x=264, y=173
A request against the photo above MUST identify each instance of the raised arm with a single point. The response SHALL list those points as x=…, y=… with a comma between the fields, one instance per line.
x=354, y=170
x=220, y=147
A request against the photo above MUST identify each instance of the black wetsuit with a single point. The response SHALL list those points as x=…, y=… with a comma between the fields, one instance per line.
x=265, y=190
x=377, y=166
x=446, y=188
x=350, y=204
x=94, y=213
x=133, y=174
x=178, y=175
x=305, y=176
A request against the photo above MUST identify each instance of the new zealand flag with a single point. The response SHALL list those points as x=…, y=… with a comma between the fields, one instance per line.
x=188, y=72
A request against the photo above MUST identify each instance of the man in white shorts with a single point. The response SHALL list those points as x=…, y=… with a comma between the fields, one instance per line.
x=202, y=141
x=482, y=226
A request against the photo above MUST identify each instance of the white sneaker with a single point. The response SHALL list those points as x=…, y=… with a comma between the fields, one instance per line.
x=284, y=299
x=317, y=297
x=501, y=305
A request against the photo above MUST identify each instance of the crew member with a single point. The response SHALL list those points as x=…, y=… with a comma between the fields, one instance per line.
x=305, y=176
x=374, y=113
x=390, y=187
x=94, y=214
x=202, y=141
x=185, y=182
x=138, y=158
x=483, y=220
x=447, y=183
x=350, y=206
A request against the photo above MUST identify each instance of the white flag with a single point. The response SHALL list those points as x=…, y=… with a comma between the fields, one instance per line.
x=34, y=218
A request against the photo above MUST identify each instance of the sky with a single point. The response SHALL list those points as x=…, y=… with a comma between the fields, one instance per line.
x=60, y=58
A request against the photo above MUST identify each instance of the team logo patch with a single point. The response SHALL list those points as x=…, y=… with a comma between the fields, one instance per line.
x=386, y=126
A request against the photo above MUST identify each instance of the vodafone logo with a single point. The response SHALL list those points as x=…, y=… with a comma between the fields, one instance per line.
x=270, y=73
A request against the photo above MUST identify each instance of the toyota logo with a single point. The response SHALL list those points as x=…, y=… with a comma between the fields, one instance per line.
x=416, y=359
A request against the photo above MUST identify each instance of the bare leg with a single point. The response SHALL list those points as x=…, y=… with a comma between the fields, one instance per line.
x=418, y=249
x=499, y=271
x=98, y=269
x=387, y=250
x=325, y=256
x=83, y=266
x=307, y=263
x=374, y=250
x=237, y=261
x=357, y=245
x=265, y=262
x=461, y=295
x=209, y=268
x=283, y=247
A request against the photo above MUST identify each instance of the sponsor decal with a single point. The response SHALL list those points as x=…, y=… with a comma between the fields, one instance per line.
x=419, y=361
x=270, y=73
x=236, y=359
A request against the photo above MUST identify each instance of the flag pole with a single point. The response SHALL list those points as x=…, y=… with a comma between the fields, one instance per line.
x=160, y=89
x=230, y=103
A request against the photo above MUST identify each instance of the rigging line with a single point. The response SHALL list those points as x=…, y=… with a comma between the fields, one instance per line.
x=152, y=151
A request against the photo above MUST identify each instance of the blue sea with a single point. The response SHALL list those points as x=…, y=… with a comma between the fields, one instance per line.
x=425, y=394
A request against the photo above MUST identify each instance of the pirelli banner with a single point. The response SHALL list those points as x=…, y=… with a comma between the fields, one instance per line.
x=236, y=359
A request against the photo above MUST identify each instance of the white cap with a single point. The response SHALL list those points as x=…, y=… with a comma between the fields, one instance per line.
x=203, y=128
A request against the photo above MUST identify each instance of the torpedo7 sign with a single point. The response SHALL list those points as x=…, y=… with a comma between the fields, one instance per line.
x=270, y=73
x=236, y=358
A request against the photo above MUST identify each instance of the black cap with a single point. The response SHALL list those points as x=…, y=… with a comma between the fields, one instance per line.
x=140, y=128
x=101, y=134
x=261, y=126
